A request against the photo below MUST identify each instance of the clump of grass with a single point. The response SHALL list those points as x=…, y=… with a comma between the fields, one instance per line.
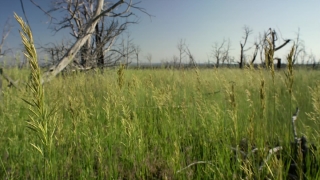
x=120, y=73
x=39, y=121
x=289, y=77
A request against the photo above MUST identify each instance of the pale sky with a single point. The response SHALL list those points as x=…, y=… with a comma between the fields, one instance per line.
x=201, y=23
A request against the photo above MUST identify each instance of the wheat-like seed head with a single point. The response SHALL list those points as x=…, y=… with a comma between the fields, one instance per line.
x=290, y=59
x=289, y=73
x=31, y=55
x=38, y=121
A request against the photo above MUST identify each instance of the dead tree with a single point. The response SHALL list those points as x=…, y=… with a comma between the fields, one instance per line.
x=149, y=58
x=270, y=47
x=226, y=57
x=181, y=48
x=261, y=46
x=137, y=51
x=220, y=52
x=104, y=20
x=255, y=53
x=247, y=32
x=56, y=51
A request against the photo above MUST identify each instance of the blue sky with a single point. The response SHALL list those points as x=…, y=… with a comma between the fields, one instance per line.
x=201, y=23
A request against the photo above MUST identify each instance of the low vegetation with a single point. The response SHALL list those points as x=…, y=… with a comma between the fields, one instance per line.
x=151, y=124
x=161, y=124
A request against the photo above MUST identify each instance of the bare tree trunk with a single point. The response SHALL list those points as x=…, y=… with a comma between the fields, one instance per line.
x=270, y=48
x=255, y=53
x=100, y=56
x=241, y=56
x=219, y=52
x=247, y=32
x=137, y=50
x=89, y=29
x=278, y=63
x=137, y=60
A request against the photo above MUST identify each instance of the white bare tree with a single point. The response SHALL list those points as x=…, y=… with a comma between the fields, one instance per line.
x=95, y=24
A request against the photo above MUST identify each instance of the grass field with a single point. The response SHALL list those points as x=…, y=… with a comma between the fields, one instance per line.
x=159, y=124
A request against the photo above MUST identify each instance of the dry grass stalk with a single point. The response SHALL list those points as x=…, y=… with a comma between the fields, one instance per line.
x=289, y=73
x=120, y=73
x=39, y=121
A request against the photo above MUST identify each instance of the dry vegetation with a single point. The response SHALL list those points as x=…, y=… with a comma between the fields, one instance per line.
x=153, y=123
x=160, y=124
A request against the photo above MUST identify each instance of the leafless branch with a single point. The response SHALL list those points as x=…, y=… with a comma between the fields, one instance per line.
x=255, y=53
x=5, y=33
x=219, y=52
x=47, y=13
x=271, y=152
x=82, y=18
x=247, y=33
x=282, y=45
x=195, y=163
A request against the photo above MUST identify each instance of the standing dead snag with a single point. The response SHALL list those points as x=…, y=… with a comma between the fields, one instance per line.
x=181, y=48
x=221, y=52
x=270, y=47
x=247, y=32
x=137, y=51
x=68, y=57
x=255, y=53
x=96, y=25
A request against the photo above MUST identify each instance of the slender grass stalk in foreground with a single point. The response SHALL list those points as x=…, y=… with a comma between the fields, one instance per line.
x=289, y=79
x=39, y=121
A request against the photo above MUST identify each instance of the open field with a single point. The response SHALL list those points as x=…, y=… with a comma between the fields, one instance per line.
x=151, y=124
x=81, y=110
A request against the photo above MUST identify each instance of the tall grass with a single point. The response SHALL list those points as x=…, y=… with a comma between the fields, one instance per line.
x=159, y=123
x=40, y=122
x=155, y=124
